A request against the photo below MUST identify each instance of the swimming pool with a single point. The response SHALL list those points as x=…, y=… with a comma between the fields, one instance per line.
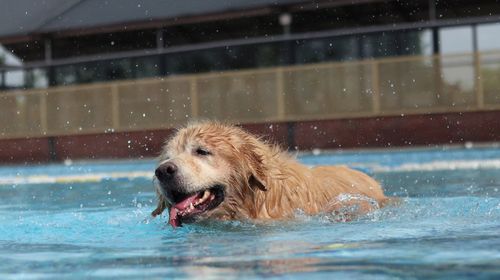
x=90, y=220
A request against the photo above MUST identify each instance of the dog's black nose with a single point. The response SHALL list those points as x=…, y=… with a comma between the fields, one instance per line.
x=166, y=171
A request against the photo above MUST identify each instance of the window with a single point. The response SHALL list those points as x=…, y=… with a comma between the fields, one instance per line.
x=487, y=37
x=20, y=52
x=412, y=42
x=14, y=79
x=455, y=40
x=329, y=49
x=103, y=43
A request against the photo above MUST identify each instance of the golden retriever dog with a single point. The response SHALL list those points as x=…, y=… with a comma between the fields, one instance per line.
x=209, y=170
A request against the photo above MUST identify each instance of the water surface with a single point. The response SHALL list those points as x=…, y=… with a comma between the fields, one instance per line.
x=447, y=227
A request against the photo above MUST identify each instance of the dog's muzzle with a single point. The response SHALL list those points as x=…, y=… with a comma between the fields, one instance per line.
x=166, y=172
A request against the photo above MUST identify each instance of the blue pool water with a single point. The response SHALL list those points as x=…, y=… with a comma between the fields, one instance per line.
x=90, y=220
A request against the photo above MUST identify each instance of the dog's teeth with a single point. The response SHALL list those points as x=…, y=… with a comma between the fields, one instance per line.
x=205, y=194
x=202, y=199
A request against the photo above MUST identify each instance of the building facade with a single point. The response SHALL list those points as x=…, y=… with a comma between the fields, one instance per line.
x=351, y=73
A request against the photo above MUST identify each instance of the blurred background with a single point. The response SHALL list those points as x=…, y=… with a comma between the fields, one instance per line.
x=96, y=79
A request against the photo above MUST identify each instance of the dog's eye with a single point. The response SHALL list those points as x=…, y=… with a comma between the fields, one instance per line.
x=202, y=152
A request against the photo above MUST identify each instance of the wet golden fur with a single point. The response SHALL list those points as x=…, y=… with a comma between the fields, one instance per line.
x=262, y=182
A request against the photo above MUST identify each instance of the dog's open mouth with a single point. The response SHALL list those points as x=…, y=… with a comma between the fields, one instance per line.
x=187, y=206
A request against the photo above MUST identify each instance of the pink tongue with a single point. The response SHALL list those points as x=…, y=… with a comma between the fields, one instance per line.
x=173, y=219
x=178, y=207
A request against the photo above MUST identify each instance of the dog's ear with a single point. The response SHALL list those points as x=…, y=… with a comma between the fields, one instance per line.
x=159, y=209
x=162, y=205
x=253, y=181
x=257, y=176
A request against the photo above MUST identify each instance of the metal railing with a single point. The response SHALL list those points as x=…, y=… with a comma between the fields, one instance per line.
x=368, y=88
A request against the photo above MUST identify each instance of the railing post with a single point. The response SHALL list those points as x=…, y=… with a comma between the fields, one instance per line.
x=43, y=113
x=115, y=107
x=193, y=89
x=478, y=81
x=375, y=87
x=280, y=94
x=3, y=84
x=442, y=98
x=44, y=128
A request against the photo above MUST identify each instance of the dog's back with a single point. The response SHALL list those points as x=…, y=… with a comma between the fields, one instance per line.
x=349, y=188
x=322, y=189
x=347, y=180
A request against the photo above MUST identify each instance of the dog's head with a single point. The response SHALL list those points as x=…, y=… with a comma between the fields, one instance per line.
x=208, y=170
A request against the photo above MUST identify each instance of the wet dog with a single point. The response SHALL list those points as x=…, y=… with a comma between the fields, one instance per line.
x=210, y=170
